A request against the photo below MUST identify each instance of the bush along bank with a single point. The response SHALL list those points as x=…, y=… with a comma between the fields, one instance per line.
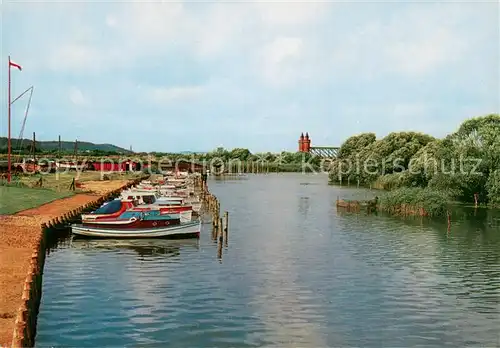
x=463, y=167
x=414, y=202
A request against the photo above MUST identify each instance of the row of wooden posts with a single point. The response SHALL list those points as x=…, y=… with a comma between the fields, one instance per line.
x=244, y=167
x=73, y=215
x=220, y=225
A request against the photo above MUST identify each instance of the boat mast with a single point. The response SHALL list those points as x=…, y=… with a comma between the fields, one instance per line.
x=20, y=141
x=76, y=150
x=8, y=136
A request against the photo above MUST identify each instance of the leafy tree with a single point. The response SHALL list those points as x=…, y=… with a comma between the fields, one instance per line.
x=493, y=187
x=239, y=153
x=462, y=164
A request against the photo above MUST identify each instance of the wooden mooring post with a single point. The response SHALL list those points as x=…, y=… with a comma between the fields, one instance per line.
x=220, y=224
x=226, y=226
x=448, y=215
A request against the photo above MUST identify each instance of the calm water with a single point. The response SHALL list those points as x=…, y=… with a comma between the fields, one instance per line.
x=296, y=273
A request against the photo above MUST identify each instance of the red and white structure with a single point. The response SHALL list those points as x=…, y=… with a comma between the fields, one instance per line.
x=9, y=103
x=320, y=151
x=304, y=143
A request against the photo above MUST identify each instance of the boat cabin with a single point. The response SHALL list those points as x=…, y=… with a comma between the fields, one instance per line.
x=151, y=198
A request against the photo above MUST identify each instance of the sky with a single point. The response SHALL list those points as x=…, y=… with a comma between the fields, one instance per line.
x=193, y=76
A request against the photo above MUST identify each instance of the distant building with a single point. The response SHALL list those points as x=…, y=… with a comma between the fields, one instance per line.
x=183, y=166
x=123, y=166
x=304, y=143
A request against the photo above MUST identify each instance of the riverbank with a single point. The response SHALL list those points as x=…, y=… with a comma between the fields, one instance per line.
x=22, y=236
x=463, y=166
x=29, y=191
x=403, y=202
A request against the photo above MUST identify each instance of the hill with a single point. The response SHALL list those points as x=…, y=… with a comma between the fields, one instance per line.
x=66, y=146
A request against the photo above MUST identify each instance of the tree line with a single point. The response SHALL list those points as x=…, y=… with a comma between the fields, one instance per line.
x=284, y=161
x=461, y=166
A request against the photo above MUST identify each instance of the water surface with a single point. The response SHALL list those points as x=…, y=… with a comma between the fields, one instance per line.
x=296, y=273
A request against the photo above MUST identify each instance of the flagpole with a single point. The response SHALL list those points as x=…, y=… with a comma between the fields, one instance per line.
x=8, y=137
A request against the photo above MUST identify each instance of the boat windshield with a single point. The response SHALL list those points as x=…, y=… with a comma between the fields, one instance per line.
x=130, y=214
x=109, y=208
x=150, y=199
x=169, y=203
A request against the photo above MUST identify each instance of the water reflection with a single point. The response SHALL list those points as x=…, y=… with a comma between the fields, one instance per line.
x=453, y=274
x=284, y=304
x=477, y=218
x=143, y=247
x=304, y=205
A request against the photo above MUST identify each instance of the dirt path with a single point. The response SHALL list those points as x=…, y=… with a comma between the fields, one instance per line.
x=18, y=236
x=101, y=187
x=55, y=208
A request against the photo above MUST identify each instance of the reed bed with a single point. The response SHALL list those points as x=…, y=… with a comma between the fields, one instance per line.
x=415, y=201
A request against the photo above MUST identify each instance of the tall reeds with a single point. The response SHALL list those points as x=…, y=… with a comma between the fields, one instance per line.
x=415, y=201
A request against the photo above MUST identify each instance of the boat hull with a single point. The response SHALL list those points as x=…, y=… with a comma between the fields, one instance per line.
x=186, y=230
x=172, y=209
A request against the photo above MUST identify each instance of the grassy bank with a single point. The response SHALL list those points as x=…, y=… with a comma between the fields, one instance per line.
x=25, y=192
x=14, y=199
x=61, y=182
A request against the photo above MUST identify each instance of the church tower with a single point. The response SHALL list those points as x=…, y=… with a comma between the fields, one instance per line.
x=307, y=143
x=301, y=142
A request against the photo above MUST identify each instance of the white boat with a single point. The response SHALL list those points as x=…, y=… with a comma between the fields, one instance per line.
x=182, y=230
x=151, y=197
x=170, y=199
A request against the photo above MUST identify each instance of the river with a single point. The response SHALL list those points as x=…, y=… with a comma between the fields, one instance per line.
x=295, y=273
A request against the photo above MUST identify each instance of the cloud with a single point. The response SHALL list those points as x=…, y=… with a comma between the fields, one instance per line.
x=76, y=97
x=163, y=95
x=220, y=31
x=421, y=41
x=424, y=55
x=75, y=57
x=415, y=42
x=151, y=25
x=287, y=13
x=283, y=48
x=137, y=31
x=111, y=21
x=279, y=61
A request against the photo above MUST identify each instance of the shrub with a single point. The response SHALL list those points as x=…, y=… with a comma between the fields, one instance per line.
x=414, y=201
x=493, y=186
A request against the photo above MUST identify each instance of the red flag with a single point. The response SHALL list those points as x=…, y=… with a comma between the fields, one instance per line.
x=11, y=63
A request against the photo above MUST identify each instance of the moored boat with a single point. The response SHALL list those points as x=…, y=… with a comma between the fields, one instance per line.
x=111, y=209
x=115, y=208
x=135, y=219
x=164, y=203
x=189, y=229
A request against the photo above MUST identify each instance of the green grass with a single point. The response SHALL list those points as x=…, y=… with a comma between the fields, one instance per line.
x=14, y=199
x=61, y=181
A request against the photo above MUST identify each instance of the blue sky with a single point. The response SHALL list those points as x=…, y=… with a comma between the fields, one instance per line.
x=197, y=75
